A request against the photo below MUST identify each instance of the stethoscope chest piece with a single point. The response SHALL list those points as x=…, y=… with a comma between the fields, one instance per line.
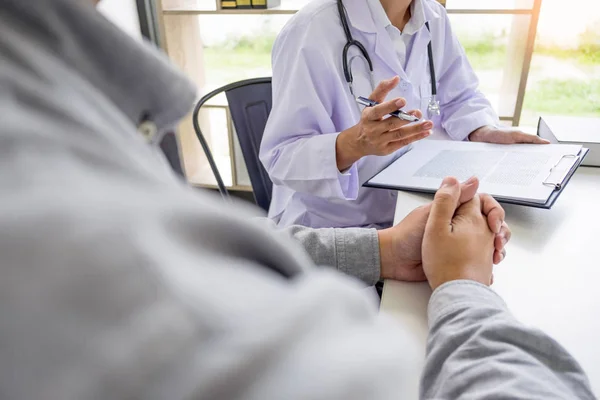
x=433, y=108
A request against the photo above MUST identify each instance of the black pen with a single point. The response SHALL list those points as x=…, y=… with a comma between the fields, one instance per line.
x=399, y=113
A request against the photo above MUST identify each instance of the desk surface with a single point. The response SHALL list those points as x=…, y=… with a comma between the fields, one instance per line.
x=550, y=278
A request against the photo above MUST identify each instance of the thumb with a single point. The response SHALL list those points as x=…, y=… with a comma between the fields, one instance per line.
x=444, y=205
x=382, y=90
x=468, y=190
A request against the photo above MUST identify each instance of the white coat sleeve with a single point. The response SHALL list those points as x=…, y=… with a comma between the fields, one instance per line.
x=298, y=147
x=464, y=108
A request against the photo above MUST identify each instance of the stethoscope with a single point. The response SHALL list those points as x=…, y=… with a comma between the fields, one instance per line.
x=434, y=105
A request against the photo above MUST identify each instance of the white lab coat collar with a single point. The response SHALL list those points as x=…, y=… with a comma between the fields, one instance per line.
x=418, y=17
x=359, y=12
x=416, y=22
x=361, y=17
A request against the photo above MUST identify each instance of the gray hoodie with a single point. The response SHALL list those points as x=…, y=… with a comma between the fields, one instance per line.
x=117, y=281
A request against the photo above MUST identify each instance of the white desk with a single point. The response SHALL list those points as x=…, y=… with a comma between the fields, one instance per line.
x=550, y=278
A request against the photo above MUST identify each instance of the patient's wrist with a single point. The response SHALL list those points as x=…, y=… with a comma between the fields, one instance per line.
x=386, y=256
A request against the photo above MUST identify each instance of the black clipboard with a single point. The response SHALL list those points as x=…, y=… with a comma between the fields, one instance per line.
x=558, y=187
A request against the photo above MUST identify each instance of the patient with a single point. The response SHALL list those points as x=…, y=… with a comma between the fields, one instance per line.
x=120, y=282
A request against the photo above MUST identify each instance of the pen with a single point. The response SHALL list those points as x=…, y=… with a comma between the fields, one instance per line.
x=399, y=113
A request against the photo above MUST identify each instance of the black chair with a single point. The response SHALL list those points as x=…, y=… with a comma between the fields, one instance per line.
x=250, y=103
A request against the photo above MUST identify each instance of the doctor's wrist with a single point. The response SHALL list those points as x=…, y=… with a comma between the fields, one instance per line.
x=481, y=134
x=347, y=151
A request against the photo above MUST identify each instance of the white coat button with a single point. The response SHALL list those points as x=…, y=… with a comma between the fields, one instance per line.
x=148, y=130
x=404, y=86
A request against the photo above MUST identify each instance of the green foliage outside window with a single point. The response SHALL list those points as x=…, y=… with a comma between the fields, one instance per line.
x=550, y=90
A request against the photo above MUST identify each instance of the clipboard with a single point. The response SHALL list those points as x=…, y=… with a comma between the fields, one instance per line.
x=559, y=184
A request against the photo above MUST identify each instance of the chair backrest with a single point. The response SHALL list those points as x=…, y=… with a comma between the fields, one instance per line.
x=250, y=104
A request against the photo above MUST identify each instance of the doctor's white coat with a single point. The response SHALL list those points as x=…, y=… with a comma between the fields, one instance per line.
x=312, y=103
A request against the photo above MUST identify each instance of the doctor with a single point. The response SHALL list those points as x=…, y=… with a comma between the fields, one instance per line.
x=319, y=146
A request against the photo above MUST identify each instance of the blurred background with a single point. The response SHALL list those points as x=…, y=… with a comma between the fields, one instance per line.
x=533, y=57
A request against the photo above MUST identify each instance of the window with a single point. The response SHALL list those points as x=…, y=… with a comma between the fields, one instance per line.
x=216, y=47
x=564, y=78
x=495, y=48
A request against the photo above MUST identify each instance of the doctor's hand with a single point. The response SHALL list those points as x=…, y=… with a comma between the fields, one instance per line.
x=458, y=242
x=490, y=134
x=401, y=246
x=376, y=134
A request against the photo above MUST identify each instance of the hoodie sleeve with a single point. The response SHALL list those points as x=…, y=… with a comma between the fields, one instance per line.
x=353, y=251
x=477, y=349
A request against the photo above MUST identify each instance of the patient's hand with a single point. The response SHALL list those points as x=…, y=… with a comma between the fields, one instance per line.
x=400, y=246
x=458, y=242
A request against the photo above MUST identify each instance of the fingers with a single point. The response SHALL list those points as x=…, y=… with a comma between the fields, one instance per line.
x=381, y=110
x=499, y=242
x=494, y=212
x=505, y=232
x=471, y=208
x=398, y=144
x=399, y=130
x=444, y=206
x=522, y=137
x=499, y=256
x=416, y=113
x=382, y=90
x=468, y=190
x=503, y=237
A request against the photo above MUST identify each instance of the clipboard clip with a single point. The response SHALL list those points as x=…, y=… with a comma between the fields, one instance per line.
x=557, y=185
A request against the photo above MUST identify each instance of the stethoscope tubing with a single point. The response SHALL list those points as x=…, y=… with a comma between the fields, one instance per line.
x=350, y=42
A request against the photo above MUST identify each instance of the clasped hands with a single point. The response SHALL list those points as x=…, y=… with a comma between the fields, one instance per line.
x=460, y=235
